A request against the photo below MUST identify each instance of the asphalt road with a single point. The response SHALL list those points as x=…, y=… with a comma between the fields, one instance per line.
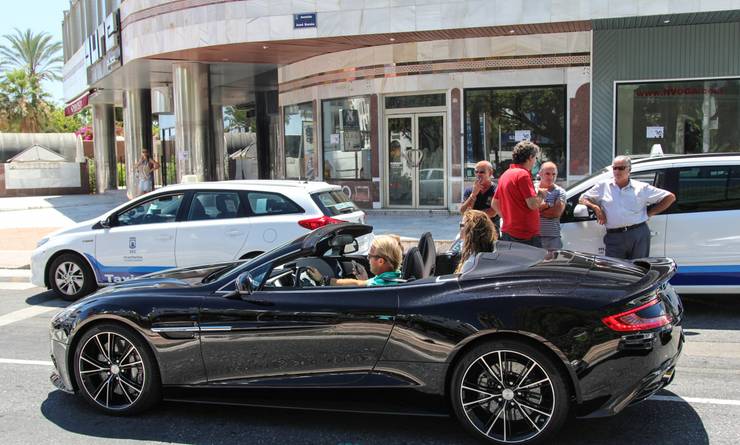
x=700, y=407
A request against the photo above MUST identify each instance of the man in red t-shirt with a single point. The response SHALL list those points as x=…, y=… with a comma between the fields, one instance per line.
x=516, y=199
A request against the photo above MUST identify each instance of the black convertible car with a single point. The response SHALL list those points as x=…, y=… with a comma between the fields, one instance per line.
x=511, y=346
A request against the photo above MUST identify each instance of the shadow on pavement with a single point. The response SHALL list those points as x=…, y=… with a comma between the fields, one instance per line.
x=711, y=312
x=46, y=298
x=650, y=422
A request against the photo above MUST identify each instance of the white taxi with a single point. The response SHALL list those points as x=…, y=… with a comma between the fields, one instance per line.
x=186, y=225
x=699, y=231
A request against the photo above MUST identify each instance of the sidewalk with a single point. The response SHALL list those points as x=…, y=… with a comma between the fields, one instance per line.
x=23, y=221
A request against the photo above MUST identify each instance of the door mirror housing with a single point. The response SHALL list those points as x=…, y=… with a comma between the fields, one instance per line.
x=245, y=284
x=580, y=211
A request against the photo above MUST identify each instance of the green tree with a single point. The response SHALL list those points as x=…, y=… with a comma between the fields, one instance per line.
x=23, y=103
x=36, y=54
x=59, y=123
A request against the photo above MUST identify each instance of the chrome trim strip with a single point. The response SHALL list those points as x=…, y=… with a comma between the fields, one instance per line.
x=215, y=328
x=176, y=329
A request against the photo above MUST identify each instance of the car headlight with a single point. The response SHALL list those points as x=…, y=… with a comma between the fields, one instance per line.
x=42, y=241
x=65, y=314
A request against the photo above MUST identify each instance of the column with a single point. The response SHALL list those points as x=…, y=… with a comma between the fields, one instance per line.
x=193, y=140
x=137, y=131
x=104, y=147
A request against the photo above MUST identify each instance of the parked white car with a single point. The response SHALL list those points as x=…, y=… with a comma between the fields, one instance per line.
x=186, y=225
x=699, y=231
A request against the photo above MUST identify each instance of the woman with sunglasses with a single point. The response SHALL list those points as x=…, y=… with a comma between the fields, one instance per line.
x=385, y=258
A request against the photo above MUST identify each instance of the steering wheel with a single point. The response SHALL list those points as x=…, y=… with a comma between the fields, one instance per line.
x=302, y=276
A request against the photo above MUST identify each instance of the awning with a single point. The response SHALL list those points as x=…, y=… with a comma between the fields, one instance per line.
x=77, y=105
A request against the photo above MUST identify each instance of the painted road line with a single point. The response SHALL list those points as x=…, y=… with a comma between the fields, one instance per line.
x=12, y=361
x=15, y=286
x=691, y=400
x=26, y=313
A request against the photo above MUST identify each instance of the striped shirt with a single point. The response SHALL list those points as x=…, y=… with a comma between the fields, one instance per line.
x=551, y=226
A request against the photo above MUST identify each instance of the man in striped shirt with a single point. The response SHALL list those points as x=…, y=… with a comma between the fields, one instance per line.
x=552, y=207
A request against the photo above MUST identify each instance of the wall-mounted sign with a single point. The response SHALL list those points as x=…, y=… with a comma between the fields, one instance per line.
x=103, y=48
x=304, y=20
x=77, y=106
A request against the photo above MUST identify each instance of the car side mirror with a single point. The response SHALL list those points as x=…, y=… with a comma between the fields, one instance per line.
x=245, y=284
x=580, y=211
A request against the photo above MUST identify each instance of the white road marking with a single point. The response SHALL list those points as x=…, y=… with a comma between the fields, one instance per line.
x=26, y=362
x=695, y=400
x=15, y=286
x=25, y=313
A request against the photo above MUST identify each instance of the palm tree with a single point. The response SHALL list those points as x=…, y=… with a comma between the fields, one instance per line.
x=36, y=54
x=24, y=105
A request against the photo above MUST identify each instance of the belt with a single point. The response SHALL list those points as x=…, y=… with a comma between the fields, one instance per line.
x=625, y=228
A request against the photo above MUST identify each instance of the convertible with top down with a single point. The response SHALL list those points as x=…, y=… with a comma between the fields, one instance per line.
x=510, y=347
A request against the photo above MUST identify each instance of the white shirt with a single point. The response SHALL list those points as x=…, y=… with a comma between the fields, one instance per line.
x=624, y=206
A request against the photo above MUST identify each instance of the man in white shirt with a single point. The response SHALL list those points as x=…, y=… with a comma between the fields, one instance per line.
x=621, y=204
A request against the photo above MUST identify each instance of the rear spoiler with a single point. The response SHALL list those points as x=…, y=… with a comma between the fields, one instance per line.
x=657, y=271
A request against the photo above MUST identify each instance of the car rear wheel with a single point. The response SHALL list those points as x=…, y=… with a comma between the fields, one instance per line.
x=71, y=277
x=506, y=391
x=116, y=371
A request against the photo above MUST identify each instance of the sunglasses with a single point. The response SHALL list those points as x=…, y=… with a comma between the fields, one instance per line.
x=370, y=257
x=481, y=172
x=619, y=167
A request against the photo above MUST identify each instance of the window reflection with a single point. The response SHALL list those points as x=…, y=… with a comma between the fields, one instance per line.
x=346, y=138
x=496, y=119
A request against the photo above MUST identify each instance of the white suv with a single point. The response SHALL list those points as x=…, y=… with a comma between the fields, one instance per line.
x=186, y=225
x=699, y=231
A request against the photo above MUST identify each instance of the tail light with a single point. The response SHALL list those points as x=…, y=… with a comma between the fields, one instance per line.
x=315, y=223
x=650, y=315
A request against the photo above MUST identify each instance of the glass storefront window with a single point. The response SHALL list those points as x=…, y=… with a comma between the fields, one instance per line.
x=299, y=141
x=698, y=116
x=497, y=118
x=346, y=138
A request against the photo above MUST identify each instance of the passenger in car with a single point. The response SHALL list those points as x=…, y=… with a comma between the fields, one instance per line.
x=478, y=235
x=385, y=257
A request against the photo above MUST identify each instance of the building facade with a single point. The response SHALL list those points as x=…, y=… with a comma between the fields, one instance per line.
x=396, y=100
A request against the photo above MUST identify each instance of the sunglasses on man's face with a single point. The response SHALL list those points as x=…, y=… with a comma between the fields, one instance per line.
x=619, y=167
x=481, y=172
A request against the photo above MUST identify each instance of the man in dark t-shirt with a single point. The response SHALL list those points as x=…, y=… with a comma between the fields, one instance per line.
x=479, y=196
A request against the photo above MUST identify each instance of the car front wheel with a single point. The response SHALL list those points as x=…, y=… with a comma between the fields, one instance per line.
x=115, y=370
x=70, y=277
x=506, y=391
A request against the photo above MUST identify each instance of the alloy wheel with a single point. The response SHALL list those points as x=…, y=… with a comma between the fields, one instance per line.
x=111, y=370
x=507, y=396
x=69, y=278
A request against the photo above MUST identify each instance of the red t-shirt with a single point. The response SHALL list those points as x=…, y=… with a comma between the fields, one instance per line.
x=514, y=187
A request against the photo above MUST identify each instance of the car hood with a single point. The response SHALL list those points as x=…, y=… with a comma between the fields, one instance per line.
x=82, y=226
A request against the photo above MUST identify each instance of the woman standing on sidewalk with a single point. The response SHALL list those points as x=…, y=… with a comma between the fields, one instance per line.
x=145, y=172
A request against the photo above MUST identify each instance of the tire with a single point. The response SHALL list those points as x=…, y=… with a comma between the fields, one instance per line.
x=70, y=277
x=529, y=405
x=115, y=370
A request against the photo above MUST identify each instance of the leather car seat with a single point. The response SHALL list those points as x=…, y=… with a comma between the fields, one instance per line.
x=413, y=265
x=428, y=253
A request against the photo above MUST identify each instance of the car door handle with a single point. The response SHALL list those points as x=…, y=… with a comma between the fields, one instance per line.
x=652, y=234
x=260, y=302
x=233, y=233
x=164, y=237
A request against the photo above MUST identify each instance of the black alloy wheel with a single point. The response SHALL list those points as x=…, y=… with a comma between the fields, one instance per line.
x=505, y=392
x=116, y=371
x=71, y=277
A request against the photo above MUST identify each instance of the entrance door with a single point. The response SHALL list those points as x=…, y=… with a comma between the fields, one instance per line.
x=416, y=160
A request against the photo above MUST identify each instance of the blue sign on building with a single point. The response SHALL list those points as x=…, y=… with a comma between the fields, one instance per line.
x=304, y=20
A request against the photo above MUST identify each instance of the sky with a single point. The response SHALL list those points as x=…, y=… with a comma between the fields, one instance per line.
x=37, y=15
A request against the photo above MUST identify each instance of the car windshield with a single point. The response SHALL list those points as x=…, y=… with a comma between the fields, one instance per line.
x=216, y=274
x=588, y=178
